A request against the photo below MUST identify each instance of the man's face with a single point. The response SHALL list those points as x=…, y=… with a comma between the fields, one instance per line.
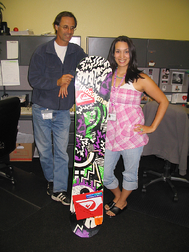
x=65, y=30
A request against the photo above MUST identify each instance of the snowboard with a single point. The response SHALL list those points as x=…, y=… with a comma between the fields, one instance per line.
x=92, y=93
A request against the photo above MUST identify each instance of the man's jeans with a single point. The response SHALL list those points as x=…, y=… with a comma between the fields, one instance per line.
x=53, y=153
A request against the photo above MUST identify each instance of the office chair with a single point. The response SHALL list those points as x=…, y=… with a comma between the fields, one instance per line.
x=169, y=142
x=9, y=116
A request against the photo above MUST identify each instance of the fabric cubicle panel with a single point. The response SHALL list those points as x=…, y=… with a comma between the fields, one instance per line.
x=170, y=141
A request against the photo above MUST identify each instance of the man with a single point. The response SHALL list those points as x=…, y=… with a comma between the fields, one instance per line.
x=51, y=74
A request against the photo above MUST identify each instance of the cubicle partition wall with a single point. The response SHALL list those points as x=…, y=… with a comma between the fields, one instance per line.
x=152, y=54
x=99, y=46
x=156, y=58
x=158, y=53
x=174, y=83
x=26, y=47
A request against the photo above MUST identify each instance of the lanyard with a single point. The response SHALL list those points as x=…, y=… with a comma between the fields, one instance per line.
x=114, y=89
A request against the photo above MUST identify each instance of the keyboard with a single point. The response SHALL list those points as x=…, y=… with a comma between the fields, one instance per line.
x=26, y=110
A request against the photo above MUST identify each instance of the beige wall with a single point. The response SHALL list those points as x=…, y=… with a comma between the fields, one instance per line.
x=162, y=19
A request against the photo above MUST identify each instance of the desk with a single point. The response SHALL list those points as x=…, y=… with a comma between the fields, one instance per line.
x=25, y=125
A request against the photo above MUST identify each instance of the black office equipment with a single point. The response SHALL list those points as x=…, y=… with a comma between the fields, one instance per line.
x=4, y=30
x=9, y=116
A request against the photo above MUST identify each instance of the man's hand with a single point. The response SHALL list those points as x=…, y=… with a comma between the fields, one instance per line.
x=64, y=82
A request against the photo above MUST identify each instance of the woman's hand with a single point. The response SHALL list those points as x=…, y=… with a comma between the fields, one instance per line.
x=142, y=129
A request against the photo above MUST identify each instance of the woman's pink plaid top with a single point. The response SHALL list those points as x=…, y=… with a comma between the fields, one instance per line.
x=120, y=134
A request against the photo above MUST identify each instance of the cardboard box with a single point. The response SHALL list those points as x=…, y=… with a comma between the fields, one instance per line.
x=23, y=152
x=24, y=148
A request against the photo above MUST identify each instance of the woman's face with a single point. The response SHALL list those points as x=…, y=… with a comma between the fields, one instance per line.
x=121, y=54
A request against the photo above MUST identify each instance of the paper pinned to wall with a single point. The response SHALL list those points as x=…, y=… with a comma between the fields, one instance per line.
x=179, y=98
x=12, y=49
x=10, y=73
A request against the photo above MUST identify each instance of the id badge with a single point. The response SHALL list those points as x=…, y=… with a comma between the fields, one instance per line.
x=112, y=116
x=46, y=114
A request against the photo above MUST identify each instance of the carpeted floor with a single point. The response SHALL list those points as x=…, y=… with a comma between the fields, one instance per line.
x=30, y=221
x=158, y=200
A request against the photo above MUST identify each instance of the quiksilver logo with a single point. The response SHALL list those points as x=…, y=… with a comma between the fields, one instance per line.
x=84, y=97
x=91, y=204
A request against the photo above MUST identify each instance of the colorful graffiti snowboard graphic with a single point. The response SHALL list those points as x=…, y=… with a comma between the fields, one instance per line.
x=92, y=91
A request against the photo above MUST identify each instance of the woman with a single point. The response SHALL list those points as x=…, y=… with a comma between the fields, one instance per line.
x=126, y=132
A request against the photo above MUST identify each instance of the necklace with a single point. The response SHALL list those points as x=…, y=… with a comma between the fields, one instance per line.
x=119, y=77
x=114, y=88
x=112, y=111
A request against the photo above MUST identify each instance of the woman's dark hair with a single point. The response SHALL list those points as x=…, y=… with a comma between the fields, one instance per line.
x=132, y=71
x=64, y=14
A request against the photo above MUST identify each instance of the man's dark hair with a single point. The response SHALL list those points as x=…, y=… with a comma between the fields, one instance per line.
x=64, y=14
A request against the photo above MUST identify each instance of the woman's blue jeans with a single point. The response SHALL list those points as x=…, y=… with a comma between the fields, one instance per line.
x=51, y=138
x=131, y=158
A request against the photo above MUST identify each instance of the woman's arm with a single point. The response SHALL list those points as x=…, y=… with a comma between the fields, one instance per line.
x=149, y=86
